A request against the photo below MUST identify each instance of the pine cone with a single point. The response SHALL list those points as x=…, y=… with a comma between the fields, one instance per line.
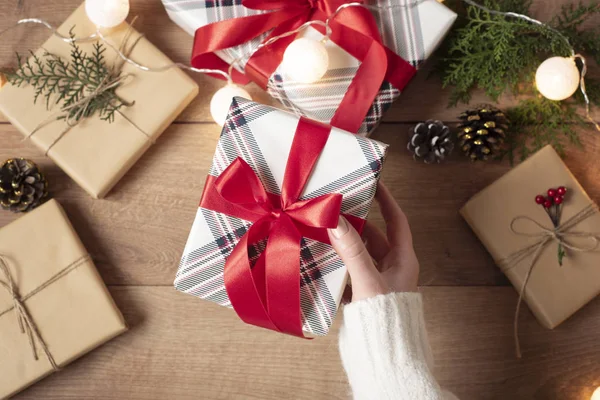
x=482, y=132
x=430, y=141
x=22, y=186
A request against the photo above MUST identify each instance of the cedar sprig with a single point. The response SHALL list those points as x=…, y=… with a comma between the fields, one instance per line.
x=67, y=83
x=536, y=122
x=493, y=52
x=500, y=54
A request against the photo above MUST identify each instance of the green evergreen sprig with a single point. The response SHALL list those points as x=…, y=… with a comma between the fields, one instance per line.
x=69, y=83
x=499, y=54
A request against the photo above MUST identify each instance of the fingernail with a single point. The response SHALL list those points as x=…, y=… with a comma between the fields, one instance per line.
x=341, y=229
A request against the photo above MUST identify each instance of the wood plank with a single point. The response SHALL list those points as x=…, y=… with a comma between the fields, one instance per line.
x=137, y=234
x=180, y=347
x=422, y=99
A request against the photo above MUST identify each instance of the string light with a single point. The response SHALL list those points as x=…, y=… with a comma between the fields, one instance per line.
x=596, y=394
x=557, y=78
x=221, y=101
x=305, y=60
x=107, y=13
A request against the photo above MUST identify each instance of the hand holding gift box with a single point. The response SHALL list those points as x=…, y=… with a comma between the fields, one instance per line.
x=512, y=222
x=372, y=56
x=259, y=242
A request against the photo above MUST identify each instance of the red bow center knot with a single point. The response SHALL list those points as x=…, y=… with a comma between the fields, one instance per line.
x=265, y=290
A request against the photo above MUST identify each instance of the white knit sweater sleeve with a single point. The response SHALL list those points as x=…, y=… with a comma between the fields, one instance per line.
x=385, y=350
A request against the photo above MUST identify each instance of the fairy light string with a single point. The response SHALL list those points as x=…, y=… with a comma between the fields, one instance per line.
x=238, y=62
x=560, y=35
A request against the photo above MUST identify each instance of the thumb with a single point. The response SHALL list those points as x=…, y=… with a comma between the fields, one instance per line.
x=366, y=279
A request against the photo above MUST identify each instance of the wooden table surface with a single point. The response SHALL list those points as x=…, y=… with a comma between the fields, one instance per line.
x=180, y=347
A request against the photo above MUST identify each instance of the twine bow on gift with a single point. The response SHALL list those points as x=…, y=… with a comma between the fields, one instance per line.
x=74, y=113
x=545, y=236
x=266, y=292
x=353, y=28
x=26, y=323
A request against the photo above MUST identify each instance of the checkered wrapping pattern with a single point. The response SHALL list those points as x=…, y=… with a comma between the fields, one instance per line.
x=401, y=27
x=262, y=136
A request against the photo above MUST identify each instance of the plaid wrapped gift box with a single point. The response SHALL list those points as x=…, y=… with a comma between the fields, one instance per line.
x=262, y=136
x=411, y=28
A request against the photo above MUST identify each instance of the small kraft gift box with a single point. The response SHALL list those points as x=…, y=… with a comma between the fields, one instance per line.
x=259, y=241
x=542, y=230
x=54, y=307
x=360, y=83
x=96, y=153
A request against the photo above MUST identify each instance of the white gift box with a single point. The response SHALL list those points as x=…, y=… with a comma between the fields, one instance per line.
x=349, y=165
x=413, y=29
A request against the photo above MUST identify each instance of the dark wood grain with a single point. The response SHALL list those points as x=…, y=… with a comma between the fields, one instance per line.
x=180, y=347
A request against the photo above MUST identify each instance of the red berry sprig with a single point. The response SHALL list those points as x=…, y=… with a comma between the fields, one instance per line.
x=555, y=197
x=553, y=206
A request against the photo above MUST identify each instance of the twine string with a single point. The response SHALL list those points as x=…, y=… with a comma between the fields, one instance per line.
x=26, y=324
x=545, y=236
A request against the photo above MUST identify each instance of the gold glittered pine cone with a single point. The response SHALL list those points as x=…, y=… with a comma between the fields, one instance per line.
x=481, y=132
x=22, y=186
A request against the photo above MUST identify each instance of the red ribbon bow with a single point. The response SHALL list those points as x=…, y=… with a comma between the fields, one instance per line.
x=354, y=29
x=267, y=294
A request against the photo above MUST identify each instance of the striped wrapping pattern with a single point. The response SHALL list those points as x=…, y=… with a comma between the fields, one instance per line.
x=214, y=235
x=400, y=29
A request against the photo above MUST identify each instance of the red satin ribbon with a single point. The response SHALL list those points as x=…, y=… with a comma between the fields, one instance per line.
x=267, y=294
x=354, y=29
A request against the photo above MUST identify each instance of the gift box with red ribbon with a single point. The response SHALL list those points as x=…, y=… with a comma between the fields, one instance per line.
x=259, y=241
x=373, y=54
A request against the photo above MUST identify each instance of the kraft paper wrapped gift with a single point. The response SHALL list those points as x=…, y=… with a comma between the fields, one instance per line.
x=554, y=292
x=413, y=30
x=61, y=291
x=349, y=165
x=96, y=153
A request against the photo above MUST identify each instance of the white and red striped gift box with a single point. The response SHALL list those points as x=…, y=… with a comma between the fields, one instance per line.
x=262, y=136
x=413, y=30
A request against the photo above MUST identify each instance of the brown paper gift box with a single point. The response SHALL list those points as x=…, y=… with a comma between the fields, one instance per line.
x=96, y=153
x=553, y=293
x=73, y=315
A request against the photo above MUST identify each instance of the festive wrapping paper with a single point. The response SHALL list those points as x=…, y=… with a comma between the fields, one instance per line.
x=553, y=293
x=74, y=314
x=413, y=31
x=96, y=153
x=262, y=136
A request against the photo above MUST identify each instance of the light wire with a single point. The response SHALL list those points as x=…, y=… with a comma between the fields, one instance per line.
x=328, y=31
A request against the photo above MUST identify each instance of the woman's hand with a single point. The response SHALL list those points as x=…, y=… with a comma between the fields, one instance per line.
x=396, y=268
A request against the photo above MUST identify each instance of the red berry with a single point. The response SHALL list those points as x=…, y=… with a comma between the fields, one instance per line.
x=539, y=199
x=558, y=200
x=561, y=190
x=551, y=193
x=547, y=203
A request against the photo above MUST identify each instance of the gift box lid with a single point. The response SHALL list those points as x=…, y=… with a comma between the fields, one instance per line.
x=349, y=165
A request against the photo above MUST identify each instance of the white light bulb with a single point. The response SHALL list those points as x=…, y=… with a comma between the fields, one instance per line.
x=596, y=394
x=305, y=60
x=557, y=78
x=221, y=101
x=107, y=13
